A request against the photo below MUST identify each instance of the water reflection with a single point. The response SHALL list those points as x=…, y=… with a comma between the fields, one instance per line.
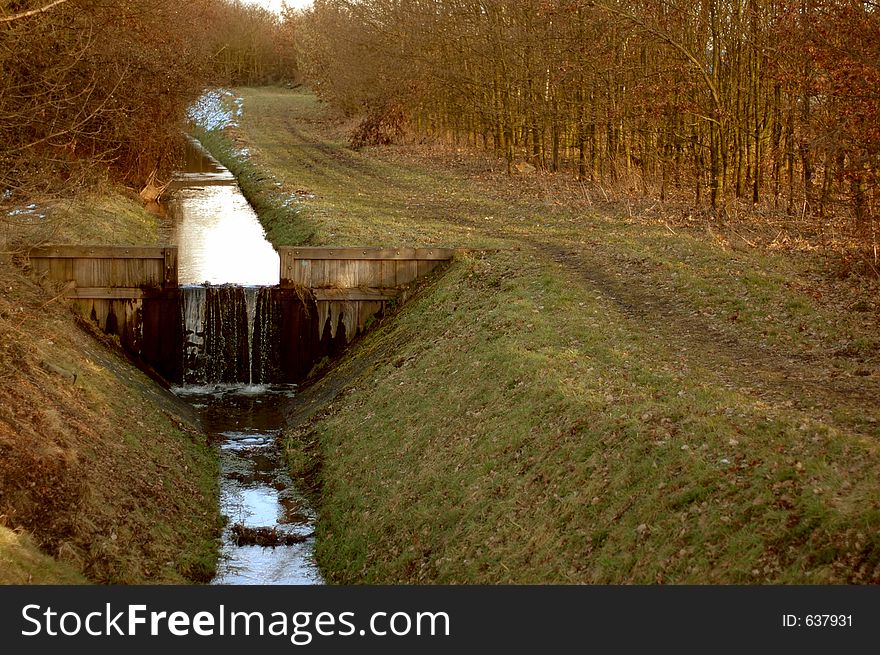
x=256, y=490
x=220, y=241
x=218, y=235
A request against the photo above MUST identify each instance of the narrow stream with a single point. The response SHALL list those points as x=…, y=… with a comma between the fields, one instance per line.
x=224, y=258
x=219, y=237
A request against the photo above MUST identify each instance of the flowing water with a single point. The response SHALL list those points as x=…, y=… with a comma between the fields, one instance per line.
x=231, y=334
x=256, y=491
x=219, y=237
x=230, y=353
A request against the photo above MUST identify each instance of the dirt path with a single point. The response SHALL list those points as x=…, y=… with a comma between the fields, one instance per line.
x=411, y=194
x=807, y=381
x=652, y=402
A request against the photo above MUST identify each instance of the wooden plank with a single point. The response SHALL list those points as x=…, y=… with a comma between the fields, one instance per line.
x=352, y=294
x=84, y=273
x=331, y=272
x=407, y=271
x=297, y=273
x=389, y=274
x=92, y=272
x=426, y=266
x=323, y=307
x=439, y=254
x=303, y=272
x=293, y=271
x=41, y=266
x=156, y=275
x=316, y=273
x=122, y=272
x=169, y=276
x=366, y=310
x=349, y=312
x=130, y=328
x=369, y=272
x=84, y=307
x=110, y=271
x=99, y=310
x=345, y=274
x=109, y=293
x=60, y=270
x=322, y=273
x=100, y=252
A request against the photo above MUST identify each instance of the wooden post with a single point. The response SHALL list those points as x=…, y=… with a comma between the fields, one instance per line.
x=170, y=279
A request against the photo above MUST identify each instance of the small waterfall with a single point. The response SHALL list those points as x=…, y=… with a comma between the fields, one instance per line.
x=193, y=313
x=250, y=302
x=267, y=337
x=232, y=334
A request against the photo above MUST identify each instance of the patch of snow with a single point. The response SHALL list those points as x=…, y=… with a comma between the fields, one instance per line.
x=25, y=211
x=297, y=197
x=214, y=111
x=27, y=215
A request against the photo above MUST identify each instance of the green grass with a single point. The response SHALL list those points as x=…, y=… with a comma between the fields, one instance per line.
x=107, y=214
x=532, y=435
x=603, y=400
x=21, y=562
x=278, y=213
x=359, y=199
x=149, y=480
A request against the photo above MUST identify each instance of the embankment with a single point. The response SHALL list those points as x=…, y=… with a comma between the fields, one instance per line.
x=509, y=429
x=103, y=477
x=609, y=400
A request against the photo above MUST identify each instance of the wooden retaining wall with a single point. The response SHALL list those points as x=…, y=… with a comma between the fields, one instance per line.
x=129, y=291
x=133, y=292
x=352, y=285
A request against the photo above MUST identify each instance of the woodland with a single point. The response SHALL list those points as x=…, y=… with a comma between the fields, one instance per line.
x=668, y=385
x=98, y=88
x=731, y=105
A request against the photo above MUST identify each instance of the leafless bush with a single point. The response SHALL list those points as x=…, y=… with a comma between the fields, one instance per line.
x=380, y=127
x=91, y=84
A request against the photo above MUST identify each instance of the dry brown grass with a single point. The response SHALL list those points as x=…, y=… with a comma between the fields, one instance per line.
x=100, y=477
x=96, y=467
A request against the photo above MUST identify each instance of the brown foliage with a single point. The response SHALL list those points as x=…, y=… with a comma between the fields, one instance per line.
x=251, y=46
x=92, y=83
x=772, y=103
x=96, y=475
x=381, y=127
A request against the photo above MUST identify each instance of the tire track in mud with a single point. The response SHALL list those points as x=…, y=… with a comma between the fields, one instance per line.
x=807, y=381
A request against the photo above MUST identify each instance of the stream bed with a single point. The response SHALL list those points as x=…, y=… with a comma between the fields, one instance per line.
x=221, y=242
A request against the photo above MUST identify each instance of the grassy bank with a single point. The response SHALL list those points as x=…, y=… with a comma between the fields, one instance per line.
x=279, y=212
x=518, y=430
x=610, y=398
x=101, y=479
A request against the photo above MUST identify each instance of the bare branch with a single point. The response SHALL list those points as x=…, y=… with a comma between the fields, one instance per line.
x=32, y=12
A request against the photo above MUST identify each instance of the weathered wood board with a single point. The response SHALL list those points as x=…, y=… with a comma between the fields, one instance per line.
x=352, y=285
x=358, y=268
x=132, y=291
x=107, y=266
x=109, y=285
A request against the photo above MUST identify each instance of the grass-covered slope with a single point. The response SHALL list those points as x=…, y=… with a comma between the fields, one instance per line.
x=100, y=478
x=22, y=562
x=519, y=428
x=609, y=398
